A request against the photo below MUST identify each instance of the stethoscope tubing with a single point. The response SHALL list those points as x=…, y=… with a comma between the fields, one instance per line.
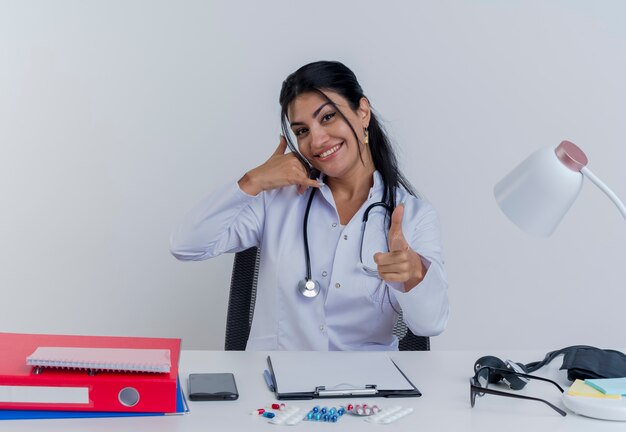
x=309, y=279
x=307, y=256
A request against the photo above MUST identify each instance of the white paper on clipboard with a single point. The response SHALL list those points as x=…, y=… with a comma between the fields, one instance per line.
x=298, y=372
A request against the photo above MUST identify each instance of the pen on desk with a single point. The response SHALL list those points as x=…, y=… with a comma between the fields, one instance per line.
x=268, y=380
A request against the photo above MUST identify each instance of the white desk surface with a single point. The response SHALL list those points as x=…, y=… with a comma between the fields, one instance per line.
x=441, y=376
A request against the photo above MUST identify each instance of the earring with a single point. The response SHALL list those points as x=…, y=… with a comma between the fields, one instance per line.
x=366, y=140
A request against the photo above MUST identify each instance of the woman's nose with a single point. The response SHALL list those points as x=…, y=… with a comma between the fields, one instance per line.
x=319, y=137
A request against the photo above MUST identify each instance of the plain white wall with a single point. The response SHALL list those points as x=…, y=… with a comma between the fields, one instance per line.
x=117, y=116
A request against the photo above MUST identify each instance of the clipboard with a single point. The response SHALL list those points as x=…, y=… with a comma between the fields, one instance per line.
x=313, y=375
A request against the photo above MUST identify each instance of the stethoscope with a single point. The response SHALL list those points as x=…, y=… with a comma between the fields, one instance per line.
x=311, y=288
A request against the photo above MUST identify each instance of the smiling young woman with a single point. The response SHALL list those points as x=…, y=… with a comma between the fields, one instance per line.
x=327, y=140
x=337, y=209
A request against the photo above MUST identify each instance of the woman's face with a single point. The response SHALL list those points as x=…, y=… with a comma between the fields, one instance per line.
x=324, y=137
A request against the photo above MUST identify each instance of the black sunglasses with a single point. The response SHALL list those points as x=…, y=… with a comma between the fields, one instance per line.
x=480, y=381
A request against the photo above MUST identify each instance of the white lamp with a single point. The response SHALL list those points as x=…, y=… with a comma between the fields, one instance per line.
x=539, y=191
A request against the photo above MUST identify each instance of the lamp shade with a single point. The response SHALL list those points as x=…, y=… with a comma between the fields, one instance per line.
x=540, y=190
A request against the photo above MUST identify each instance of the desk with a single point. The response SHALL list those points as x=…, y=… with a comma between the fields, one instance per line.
x=442, y=377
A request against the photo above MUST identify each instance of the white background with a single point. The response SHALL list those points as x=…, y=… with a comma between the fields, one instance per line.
x=117, y=116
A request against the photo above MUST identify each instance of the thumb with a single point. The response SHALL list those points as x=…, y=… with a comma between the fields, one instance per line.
x=282, y=146
x=397, y=242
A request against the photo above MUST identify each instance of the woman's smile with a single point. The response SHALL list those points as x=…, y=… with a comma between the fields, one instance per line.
x=329, y=153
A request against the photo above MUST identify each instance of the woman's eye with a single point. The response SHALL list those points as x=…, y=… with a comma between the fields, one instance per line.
x=300, y=131
x=328, y=116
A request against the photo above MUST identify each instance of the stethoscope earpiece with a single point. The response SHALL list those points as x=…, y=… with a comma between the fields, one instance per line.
x=308, y=288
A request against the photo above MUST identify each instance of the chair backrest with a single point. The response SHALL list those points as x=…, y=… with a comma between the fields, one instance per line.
x=241, y=299
x=243, y=296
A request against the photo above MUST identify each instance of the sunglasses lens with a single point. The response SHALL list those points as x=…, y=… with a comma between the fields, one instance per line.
x=482, y=377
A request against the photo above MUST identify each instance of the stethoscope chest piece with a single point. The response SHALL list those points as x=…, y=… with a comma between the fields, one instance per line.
x=308, y=288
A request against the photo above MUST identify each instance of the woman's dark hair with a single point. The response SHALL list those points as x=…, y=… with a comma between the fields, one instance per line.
x=335, y=76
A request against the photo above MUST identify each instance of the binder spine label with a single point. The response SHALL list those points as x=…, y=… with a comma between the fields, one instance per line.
x=44, y=394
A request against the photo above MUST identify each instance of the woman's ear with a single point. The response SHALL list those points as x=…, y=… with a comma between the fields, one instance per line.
x=364, y=112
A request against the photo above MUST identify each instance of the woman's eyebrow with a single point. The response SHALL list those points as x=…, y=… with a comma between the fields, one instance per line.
x=315, y=113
